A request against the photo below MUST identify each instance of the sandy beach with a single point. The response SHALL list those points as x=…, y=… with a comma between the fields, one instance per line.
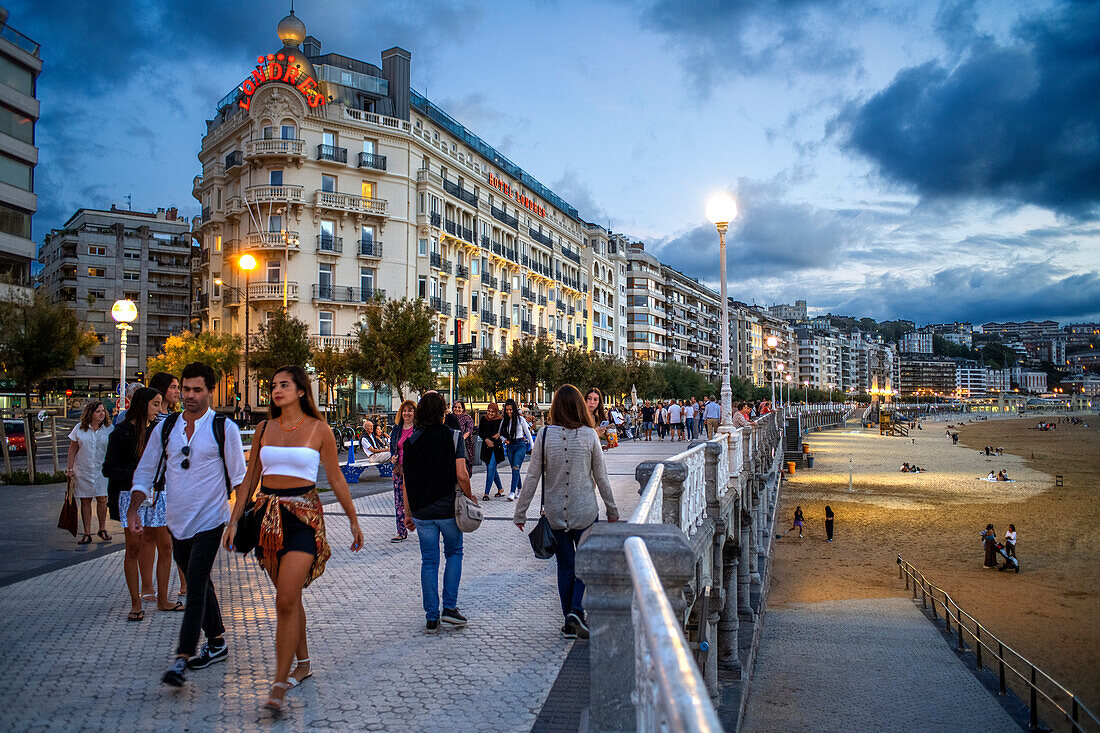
x=1050, y=611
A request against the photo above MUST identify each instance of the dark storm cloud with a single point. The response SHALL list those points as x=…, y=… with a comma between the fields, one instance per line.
x=1018, y=121
x=1023, y=290
x=716, y=38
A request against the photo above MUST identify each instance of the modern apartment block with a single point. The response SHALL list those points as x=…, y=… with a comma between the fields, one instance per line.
x=916, y=342
x=20, y=65
x=103, y=256
x=961, y=334
x=794, y=313
x=931, y=375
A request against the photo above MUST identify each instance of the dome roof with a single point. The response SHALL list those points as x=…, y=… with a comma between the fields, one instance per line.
x=300, y=60
x=291, y=30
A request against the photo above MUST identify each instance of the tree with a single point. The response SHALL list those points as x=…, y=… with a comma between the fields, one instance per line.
x=680, y=381
x=531, y=362
x=640, y=374
x=220, y=350
x=489, y=376
x=332, y=367
x=395, y=345
x=40, y=340
x=283, y=340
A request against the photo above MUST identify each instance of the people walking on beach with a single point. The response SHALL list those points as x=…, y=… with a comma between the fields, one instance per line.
x=689, y=419
x=516, y=434
x=567, y=461
x=662, y=421
x=829, y=516
x=196, y=456
x=989, y=544
x=799, y=522
x=1010, y=542
x=84, y=467
x=676, y=420
x=492, y=448
x=402, y=429
x=293, y=548
x=434, y=461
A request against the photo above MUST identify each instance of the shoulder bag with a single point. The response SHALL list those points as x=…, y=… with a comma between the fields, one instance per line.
x=67, y=519
x=468, y=515
x=542, y=536
x=247, y=535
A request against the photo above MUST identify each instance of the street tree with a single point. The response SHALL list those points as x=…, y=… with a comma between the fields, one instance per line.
x=40, y=340
x=220, y=350
x=532, y=362
x=395, y=345
x=489, y=377
x=332, y=367
x=283, y=340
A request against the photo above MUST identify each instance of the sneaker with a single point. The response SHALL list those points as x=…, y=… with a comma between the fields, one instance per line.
x=568, y=632
x=453, y=617
x=209, y=654
x=432, y=626
x=576, y=620
x=511, y=497
x=174, y=675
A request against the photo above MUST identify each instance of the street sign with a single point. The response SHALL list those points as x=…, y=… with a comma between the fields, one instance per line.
x=121, y=404
x=465, y=353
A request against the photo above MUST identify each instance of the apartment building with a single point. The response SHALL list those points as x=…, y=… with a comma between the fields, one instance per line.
x=103, y=256
x=20, y=65
x=346, y=184
x=961, y=334
x=794, y=313
x=971, y=378
x=608, y=294
x=930, y=375
x=916, y=342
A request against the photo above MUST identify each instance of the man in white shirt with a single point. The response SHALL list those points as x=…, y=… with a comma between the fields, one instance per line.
x=197, y=476
x=676, y=420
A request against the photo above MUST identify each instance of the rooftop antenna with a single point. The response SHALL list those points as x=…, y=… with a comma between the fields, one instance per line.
x=129, y=202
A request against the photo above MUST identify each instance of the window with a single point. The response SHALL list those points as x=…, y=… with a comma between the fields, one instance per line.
x=368, y=190
x=274, y=271
x=275, y=178
x=368, y=147
x=328, y=183
x=97, y=360
x=18, y=77
x=217, y=289
x=422, y=248
x=366, y=282
x=422, y=285
x=98, y=294
x=289, y=132
x=129, y=275
x=97, y=250
x=474, y=301
x=366, y=234
x=128, y=295
x=328, y=137
x=274, y=223
x=324, y=322
x=475, y=265
x=17, y=124
x=15, y=173
x=328, y=236
x=324, y=276
x=131, y=255
x=269, y=132
x=215, y=324
x=97, y=272
x=218, y=243
x=15, y=222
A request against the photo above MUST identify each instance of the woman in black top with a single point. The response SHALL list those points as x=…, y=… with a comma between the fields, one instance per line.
x=829, y=523
x=492, y=448
x=434, y=462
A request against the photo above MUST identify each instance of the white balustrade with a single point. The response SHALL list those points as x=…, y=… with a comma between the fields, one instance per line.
x=651, y=505
x=693, y=498
x=722, y=466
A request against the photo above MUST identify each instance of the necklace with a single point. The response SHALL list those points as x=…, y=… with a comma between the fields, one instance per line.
x=290, y=430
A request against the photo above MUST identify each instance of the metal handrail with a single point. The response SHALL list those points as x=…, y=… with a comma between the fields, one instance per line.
x=984, y=642
x=681, y=700
x=651, y=495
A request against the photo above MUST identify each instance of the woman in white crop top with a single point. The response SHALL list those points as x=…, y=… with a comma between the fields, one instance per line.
x=287, y=450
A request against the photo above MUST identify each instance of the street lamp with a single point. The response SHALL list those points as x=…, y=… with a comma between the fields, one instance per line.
x=772, y=342
x=779, y=367
x=789, y=379
x=248, y=264
x=806, y=386
x=123, y=312
x=721, y=210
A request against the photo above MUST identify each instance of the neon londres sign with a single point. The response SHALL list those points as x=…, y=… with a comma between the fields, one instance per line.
x=279, y=68
x=505, y=188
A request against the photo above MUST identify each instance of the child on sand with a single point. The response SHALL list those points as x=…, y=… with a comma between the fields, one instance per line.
x=799, y=523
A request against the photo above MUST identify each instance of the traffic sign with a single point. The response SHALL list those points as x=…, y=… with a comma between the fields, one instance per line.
x=122, y=404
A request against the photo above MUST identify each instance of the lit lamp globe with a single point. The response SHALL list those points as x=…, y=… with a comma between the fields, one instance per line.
x=247, y=262
x=772, y=342
x=124, y=311
x=721, y=209
x=780, y=367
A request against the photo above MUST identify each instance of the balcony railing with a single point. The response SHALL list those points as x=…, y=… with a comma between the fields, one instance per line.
x=570, y=254
x=447, y=266
x=540, y=237
x=234, y=159
x=272, y=291
x=542, y=300
x=371, y=160
x=542, y=331
x=527, y=327
x=437, y=219
x=512, y=254
x=559, y=335
x=484, y=278
x=274, y=147
x=349, y=202
x=451, y=227
x=330, y=244
x=485, y=241
x=527, y=294
x=494, y=284
x=273, y=194
x=273, y=240
x=336, y=343
x=459, y=192
x=462, y=311
x=332, y=153
x=345, y=293
x=501, y=215
x=462, y=271
x=466, y=234
x=439, y=305
x=505, y=322
x=489, y=317
x=370, y=248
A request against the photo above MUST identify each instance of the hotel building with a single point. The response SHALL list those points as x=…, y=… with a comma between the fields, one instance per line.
x=346, y=184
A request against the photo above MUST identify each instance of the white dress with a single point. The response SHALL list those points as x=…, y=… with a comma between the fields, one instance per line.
x=88, y=478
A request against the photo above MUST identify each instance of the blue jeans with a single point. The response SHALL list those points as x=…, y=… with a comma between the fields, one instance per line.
x=429, y=530
x=492, y=475
x=516, y=451
x=690, y=425
x=570, y=587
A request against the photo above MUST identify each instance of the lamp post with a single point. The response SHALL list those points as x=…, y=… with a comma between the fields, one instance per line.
x=806, y=385
x=779, y=367
x=248, y=264
x=123, y=312
x=789, y=380
x=772, y=342
x=721, y=210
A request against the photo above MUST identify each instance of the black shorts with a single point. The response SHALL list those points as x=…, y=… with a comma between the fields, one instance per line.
x=297, y=536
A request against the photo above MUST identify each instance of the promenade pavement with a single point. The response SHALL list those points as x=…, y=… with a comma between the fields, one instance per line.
x=78, y=665
x=863, y=665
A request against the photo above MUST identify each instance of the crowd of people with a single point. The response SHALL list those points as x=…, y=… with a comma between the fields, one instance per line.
x=993, y=548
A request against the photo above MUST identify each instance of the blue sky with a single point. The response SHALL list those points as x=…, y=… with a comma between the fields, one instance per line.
x=922, y=160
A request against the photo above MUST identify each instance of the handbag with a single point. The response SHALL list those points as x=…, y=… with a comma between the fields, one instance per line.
x=67, y=518
x=542, y=536
x=468, y=515
x=247, y=535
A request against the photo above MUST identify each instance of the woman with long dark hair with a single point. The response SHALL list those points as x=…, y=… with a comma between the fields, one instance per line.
x=124, y=449
x=402, y=428
x=567, y=459
x=169, y=388
x=290, y=446
x=593, y=400
x=84, y=465
x=492, y=450
x=516, y=434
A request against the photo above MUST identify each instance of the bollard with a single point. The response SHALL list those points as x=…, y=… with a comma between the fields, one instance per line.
x=53, y=442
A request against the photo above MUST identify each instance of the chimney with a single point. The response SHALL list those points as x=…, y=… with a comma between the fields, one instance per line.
x=172, y=213
x=397, y=70
x=311, y=47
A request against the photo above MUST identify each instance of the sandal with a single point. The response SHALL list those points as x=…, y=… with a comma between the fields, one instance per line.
x=135, y=615
x=149, y=597
x=85, y=539
x=499, y=493
x=103, y=535
x=277, y=705
x=295, y=681
x=178, y=607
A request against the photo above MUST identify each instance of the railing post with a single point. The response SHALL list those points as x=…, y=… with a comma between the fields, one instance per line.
x=923, y=597
x=959, y=626
x=1034, y=721
x=728, y=624
x=978, y=643
x=1001, y=665
x=935, y=617
x=744, y=579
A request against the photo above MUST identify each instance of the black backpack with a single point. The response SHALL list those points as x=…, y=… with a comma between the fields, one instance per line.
x=218, y=427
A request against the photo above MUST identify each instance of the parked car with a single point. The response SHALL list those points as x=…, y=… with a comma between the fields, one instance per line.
x=17, y=439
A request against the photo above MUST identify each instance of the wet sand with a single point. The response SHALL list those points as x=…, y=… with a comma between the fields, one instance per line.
x=1050, y=611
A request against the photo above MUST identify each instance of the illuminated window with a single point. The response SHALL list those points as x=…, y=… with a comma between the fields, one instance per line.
x=97, y=272
x=218, y=243
x=368, y=190
x=97, y=251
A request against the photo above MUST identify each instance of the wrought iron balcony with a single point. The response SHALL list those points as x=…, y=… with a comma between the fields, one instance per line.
x=462, y=312
x=484, y=278
x=559, y=335
x=370, y=248
x=332, y=154
x=512, y=254
x=485, y=241
x=345, y=294
x=489, y=318
x=543, y=301
x=459, y=192
x=505, y=286
x=543, y=332
x=447, y=266
x=439, y=305
x=505, y=322
x=372, y=160
x=540, y=237
x=527, y=294
x=575, y=256
x=436, y=219
x=502, y=216
x=466, y=234
x=462, y=271
x=327, y=243
x=451, y=227
x=234, y=159
x=435, y=260
x=527, y=327
x=494, y=284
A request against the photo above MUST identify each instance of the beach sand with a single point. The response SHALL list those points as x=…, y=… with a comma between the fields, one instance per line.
x=1050, y=611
